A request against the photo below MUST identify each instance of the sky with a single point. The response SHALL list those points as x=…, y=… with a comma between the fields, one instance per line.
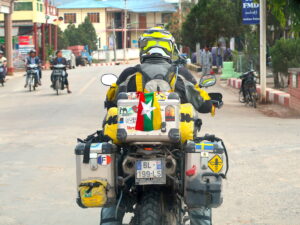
x=59, y=2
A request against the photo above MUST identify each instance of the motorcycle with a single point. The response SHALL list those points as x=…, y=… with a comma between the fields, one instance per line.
x=32, y=76
x=58, y=74
x=2, y=74
x=158, y=177
x=249, y=86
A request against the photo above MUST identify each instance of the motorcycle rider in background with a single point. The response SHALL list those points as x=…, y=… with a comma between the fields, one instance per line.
x=34, y=59
x=61, y=60
x=3, y=61
x=157, y=51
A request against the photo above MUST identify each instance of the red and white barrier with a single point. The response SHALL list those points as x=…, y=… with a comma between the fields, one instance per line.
x=274, y=96
x=109, y=64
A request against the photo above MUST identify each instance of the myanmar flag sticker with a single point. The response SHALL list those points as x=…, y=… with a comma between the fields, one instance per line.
x=148, y=115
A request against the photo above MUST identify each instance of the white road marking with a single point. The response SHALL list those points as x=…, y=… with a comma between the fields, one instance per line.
x=86, y=85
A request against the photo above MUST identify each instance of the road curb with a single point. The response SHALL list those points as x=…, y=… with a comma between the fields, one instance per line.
x=273, y=96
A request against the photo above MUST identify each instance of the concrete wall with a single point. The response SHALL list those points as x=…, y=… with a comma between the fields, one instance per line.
x=81, y=14
x=294, y=91
x=108, y=55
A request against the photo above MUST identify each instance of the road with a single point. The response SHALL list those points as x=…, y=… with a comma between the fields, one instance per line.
x=37, y=164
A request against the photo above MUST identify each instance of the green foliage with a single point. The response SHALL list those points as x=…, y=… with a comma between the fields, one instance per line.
x=285, y=54
x=88, y=34
x=285, y=11
x=63, y=41
x=211, y=19
x=84, y=34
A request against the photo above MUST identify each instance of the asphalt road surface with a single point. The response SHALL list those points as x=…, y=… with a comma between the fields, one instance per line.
x=38, y=132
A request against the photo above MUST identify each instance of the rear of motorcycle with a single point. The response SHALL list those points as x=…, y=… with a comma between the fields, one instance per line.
x=2, y=71
x=58, y=79
x=158, y=176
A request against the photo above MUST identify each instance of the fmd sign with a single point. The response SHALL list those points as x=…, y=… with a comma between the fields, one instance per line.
x=250, y=12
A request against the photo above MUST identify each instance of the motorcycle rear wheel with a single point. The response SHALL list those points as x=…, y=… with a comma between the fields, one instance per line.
x=150, y=210
x=241, y=97
x=57, y=86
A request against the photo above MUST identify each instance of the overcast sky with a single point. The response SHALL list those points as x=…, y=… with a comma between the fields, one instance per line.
x=59, y=2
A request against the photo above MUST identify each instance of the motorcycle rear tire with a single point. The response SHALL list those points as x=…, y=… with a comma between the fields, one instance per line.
x=253, y=98
x=241, y=97
x=150, y=211
x=57, y=86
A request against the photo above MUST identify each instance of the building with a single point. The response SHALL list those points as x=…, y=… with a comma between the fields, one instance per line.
x=30, y=20
x=108, y=17
x=294, y=88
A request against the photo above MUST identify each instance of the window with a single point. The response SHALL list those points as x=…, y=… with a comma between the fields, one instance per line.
x=41, y=7
x=70, y=17
x=142, y=21
x=165, y=17
x=94, y=17
x=23, y=6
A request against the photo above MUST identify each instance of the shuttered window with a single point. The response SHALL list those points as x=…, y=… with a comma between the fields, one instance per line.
x=94, y=17
x=70, y=17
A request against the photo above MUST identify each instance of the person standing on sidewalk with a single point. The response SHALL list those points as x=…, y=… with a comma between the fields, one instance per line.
x=220, y=56
x=206, y=61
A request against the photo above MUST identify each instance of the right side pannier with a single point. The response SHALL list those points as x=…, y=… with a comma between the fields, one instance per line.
x=205, y=163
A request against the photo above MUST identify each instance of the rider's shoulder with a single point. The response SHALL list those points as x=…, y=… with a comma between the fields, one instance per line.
x=130, y=70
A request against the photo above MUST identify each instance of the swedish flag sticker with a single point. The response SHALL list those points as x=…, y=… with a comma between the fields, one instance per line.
x=204, y=146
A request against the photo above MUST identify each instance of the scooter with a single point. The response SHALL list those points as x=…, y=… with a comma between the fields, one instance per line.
x=32, y=76
x=58, y=74
x=2, y=74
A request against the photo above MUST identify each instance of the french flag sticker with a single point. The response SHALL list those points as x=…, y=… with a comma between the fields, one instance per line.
x=104, y=160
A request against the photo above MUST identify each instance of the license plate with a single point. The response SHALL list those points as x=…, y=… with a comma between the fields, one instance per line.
x=150, y=172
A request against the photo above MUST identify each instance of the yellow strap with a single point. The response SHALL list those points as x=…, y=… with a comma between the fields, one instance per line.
x=111, y=93
x=213, y=110
x=173, y=82
x=139, y=82
x=202, y=93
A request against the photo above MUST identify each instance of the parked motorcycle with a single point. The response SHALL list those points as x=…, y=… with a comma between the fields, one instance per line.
x=2, y=74
x=59, y=73
x=248, y=93
x=157, y=174
x=32, y=76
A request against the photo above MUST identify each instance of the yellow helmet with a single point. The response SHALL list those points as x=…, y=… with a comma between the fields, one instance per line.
x=156, y=42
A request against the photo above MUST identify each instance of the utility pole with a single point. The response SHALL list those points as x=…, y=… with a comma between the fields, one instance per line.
x=114, y=37
x=125, y=31
x=8, y=38
x=263, y=66
x=180, y=19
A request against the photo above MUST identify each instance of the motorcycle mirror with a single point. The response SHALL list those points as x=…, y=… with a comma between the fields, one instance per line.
x=207, y=80
x=108, y=79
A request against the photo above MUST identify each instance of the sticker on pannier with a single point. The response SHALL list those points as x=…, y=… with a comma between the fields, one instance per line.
x=92, y=193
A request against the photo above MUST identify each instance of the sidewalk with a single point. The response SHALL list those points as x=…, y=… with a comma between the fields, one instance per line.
x=273, y=96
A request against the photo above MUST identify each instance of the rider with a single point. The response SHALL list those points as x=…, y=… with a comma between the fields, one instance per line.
x=3, y=61
x=157, y=52
x=34, y=59
x=61, y=60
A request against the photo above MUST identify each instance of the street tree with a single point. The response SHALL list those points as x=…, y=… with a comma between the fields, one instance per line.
x=210, y=20
x=63, y=41
x=87, y=34
x=72, y=35
x=286, y=12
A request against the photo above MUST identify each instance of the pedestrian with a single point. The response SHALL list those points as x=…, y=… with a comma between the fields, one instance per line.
x=227, y=55
x=220, y=56
x=206, y=61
